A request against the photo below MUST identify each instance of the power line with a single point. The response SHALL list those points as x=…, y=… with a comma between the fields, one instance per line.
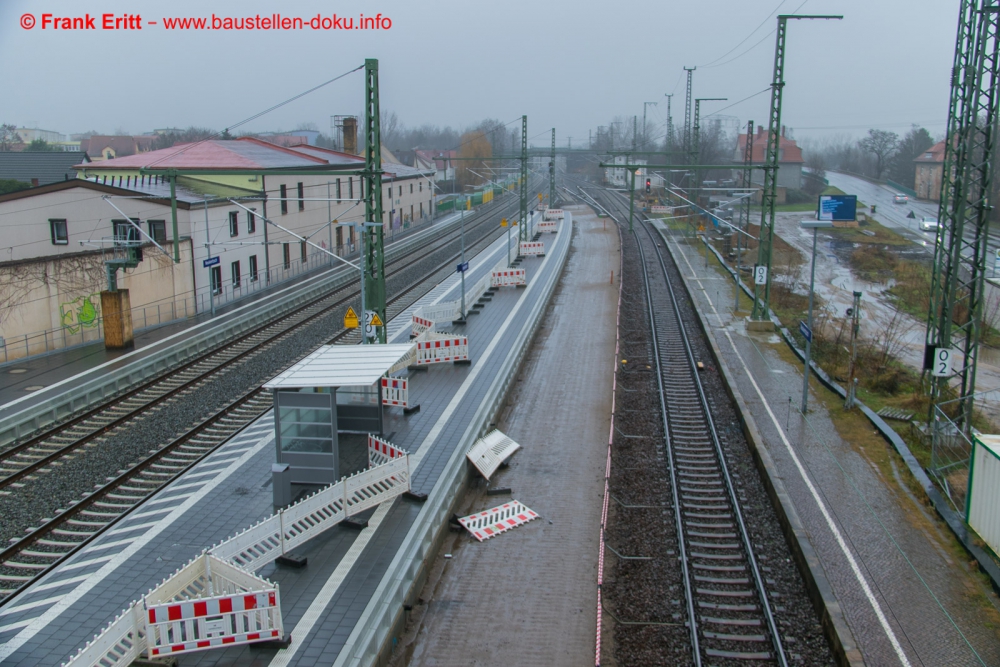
x=759, y=26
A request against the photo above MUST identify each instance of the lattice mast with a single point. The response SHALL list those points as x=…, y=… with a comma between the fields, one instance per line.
x=762, y=293
x=373, y=259
x=957, y=283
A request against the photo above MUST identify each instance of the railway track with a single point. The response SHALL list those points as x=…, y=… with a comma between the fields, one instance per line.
x=729, y=618
x=37, y=461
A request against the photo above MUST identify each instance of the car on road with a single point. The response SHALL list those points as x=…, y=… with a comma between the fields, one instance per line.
x=928, y=224
x=900, y=199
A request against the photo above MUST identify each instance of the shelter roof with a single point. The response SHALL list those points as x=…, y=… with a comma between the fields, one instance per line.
x=341, y=366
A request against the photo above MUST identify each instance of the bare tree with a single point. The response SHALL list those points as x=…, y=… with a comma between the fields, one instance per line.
x=883, y=145
x=8, y=137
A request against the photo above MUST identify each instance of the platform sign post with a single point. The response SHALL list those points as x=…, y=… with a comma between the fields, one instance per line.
x=806, y=329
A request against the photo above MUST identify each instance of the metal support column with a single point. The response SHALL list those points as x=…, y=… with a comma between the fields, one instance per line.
x=552, y=171
x=743, y=221
x=522, y=231
x=687, y=110
x=373, y=259
x=631, y=197
x=762, y=302
x=957, y=284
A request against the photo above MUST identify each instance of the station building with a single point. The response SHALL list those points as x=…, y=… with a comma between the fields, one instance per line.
x=55, y=238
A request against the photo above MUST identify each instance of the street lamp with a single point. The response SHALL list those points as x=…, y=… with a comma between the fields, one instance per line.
x=807, y=331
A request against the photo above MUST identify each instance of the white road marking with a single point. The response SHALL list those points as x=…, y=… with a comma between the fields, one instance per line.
x=7, y=611
x=841, y=542
x=59, y=584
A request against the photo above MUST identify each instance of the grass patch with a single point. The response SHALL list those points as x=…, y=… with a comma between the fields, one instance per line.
x=800, y=207
x=869, y=232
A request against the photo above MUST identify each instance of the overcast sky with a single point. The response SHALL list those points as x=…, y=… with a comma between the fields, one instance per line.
x=569, y=65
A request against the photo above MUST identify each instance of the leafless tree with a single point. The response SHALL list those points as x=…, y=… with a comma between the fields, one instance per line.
x=883, y=145
x=8, y=137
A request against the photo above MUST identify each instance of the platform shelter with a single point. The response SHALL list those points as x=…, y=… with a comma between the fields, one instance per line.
x=333, y=390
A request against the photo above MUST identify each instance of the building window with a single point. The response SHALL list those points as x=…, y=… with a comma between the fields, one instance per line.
x=421, y=210
x=302, y=202
x=216, y=275
x=400, y=190
x=158, y=230
x=284, y=200
x=338, y=188
x=234, y=271
x=350, y=187
x=251, y=221
x=253, y=268
x=302, y=251
x=234, y=223
x=421, y=186
x=411, y=188
x=57, y=227
x=286, y=256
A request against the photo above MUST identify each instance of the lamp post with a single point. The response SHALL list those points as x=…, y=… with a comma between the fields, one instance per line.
x=813, y=225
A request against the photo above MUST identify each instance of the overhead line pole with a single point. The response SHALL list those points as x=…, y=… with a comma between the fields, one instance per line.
x=522, y=232
x=373, y=257
x=687, y=110
x=552, y=170
x=762, y=302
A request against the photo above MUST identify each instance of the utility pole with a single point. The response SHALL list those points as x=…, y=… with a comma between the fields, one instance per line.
x=696, y=133
x=552, y=170
x=957, y=282
x=762, y=302
x=743, y=221
x=670, y=124
x=645, y=137
x=631, y=196
x=522, y=232
x=372, y=257
x=687, y=110
x=854, y=312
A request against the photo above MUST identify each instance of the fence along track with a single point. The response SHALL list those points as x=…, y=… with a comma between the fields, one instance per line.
x=44, y=547
x=729, y=615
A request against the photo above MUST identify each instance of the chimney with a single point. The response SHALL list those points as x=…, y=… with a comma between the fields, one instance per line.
x=34, y=182
x=782, y=130
x=351, y=135
x=760, y=130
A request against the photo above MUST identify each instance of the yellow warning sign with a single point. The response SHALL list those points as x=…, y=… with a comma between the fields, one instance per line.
x=539, y=196
x=503, y=222
x=350, y=319
x=701, y=228
x=376, y=322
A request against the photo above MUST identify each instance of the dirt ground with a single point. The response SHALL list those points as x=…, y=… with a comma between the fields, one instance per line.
x=528, y=597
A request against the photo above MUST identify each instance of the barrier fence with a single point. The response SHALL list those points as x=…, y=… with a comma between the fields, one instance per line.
x=216, y=600
x=453, y=348
x=529, y=248
x=507, y=277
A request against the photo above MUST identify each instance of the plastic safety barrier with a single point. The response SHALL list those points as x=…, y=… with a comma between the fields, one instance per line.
x=421, y=324
x=488, y=452
x=225, y=572
x=547, y=226
x=440, y=350
x=496, y=520
x=554, y=214
x=395, y=392
x=529, y=248
x=381, y=451
x=505, y=277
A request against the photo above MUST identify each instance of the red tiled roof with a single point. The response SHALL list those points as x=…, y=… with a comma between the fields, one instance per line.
x=933, y=154
x=790, y=151
x=244, y=153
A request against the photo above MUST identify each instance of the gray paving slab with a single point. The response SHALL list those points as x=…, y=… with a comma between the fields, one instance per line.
x=541, y=577
x=906, y=599
x=211, y=507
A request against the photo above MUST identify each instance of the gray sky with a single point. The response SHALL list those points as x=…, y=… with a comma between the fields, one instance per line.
x=571, y=65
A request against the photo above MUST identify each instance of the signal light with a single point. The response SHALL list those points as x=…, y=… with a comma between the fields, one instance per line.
x=648, y=184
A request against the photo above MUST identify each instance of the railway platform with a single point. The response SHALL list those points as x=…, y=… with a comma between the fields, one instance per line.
x=340, y=607
x=26, y=382
x=900, y=584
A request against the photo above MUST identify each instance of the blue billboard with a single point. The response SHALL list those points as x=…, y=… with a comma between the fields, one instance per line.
x=837, y=208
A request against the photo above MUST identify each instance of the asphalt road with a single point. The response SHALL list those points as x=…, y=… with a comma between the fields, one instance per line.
x=894, y=215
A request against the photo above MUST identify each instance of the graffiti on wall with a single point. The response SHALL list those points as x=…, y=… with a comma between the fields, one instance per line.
x=80, y=313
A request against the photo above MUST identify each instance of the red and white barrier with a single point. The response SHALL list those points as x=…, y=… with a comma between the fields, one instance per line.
x=547, y=226
x=421, y=324
x=225, y=620
x=532, y=248
x=395, y=392
x=382, y=451
x=440, y=350
x=505, y=277
x=496, y=520
x=554, y=214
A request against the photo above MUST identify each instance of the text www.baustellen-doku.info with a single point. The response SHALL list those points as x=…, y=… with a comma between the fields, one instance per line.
x=49, y=21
